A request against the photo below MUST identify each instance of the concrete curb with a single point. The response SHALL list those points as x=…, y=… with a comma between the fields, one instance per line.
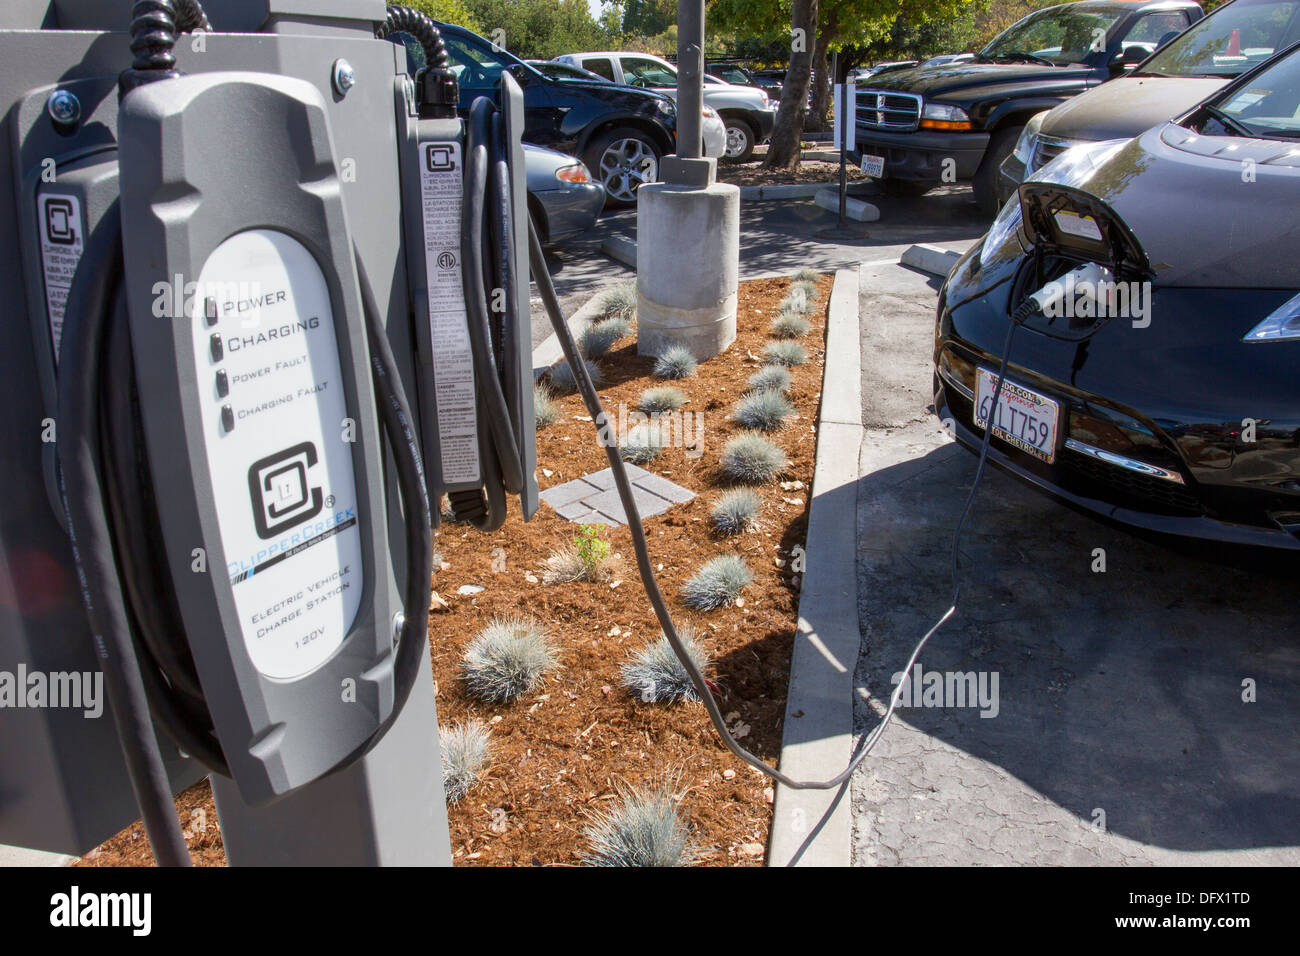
x=17, y=856
x=814, y=827
x=620, y=249
x=858, y=210
x=549, y=352
x=784, y=191
x=931, y=259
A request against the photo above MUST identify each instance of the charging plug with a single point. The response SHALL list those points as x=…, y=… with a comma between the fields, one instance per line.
x=1049, y=298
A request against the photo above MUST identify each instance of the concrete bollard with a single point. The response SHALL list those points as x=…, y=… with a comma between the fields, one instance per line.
x=688, y=264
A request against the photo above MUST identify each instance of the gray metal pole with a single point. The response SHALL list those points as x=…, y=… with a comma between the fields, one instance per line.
x=690, y=78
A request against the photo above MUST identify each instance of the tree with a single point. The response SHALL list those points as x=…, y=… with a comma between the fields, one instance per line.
x=784, y=150
x=447, y=11
x=538, y=29
x=647, y=18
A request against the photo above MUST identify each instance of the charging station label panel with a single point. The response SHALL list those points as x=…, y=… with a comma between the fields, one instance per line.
x=276, y=427
x=442, y=194
x=62, y=243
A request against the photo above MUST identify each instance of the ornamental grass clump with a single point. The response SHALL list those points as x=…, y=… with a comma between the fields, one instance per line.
x=752, y=459
x=807, y=275
x=665, y=398
x=562, y=375
x=466, y=749
x=789, y=325
x=770, y=377
x=618, y=303
x=718, y=583
x=643, y=828
x=545, y=409
x=805, y=288
x=788, y=354
x=507, y=659
x=596, y=340
x=763, y=411
x=676, y=361
x=642, y=444
x=656, y=675
x=736, y=512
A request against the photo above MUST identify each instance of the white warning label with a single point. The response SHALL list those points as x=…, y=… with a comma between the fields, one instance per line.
x=441, y=189
x=62, y=243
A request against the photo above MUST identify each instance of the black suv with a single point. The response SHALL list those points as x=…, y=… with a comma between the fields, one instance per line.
x=619, y=132
x=919, y=127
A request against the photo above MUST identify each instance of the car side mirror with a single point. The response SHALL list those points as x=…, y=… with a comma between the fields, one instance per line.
x=1128, y=58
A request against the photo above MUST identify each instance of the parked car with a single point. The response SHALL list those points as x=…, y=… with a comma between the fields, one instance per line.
x=918, y=127
x=1234, y=38
x=948, y=58
x=747, y=113
x=562, y=195
x=1177, y=415
x=618, y=132
x=885, y=67
x=733, y=73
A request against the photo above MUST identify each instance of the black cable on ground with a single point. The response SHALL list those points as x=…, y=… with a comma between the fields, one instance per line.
x=79, y=390
x=592, y=400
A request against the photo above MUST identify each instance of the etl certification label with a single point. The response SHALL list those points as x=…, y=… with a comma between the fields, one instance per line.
x=442, y=195
x=62, y=243
x=276, y=427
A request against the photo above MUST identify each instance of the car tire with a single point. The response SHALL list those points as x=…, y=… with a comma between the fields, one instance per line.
x=741, y=140
x=622, y=160
x=985, y=183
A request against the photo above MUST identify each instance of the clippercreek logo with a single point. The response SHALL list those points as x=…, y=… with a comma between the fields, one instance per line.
x=73, y=690
x=75, y=909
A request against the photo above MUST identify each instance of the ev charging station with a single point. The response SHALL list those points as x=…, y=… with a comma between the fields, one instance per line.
x=266, y=302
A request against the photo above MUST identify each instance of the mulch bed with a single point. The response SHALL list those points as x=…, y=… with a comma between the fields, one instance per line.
x=567, y=749
x=808, y=171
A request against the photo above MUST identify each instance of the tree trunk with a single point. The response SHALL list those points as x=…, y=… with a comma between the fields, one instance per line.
x=821, y=85
x=783, y=153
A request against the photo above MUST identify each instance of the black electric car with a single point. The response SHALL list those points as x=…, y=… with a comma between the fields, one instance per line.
x=1152, y=374
x=619, y=132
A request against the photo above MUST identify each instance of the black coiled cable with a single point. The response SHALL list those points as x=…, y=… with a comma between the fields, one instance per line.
x=155, y=25
x=438, y=90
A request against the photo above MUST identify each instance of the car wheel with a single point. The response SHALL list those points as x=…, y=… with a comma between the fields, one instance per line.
x=985, y=182
x=623, y=160
x=740, y=140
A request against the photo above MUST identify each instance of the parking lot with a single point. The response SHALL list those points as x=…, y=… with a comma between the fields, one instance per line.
x=1121, y=731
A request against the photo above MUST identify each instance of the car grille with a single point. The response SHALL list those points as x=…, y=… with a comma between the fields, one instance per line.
x=1158, y=493
x=1047, y=149
x=883, y=110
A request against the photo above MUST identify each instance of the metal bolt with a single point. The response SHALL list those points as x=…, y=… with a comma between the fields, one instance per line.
x=399, y=622
x=344, y=77
x=64, y=108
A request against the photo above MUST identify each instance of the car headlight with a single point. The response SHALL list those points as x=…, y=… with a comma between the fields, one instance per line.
x=1003, y=228
x=666, y=106
x=1282, y=325
x=575, y=173
x=1024, y=150
x=946, y=114
x=711, y=113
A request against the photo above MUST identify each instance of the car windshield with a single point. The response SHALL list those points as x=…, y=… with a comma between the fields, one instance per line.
x=562, y=72
x=477, y=67
x=648, y=74
x=1267, y=106
x=1055, y=36
x=1234, y=39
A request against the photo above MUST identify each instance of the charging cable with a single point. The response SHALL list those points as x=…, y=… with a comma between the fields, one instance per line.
x=591, y=399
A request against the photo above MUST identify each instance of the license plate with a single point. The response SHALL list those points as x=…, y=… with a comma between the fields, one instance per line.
x=873, y=166
x=1024, y=418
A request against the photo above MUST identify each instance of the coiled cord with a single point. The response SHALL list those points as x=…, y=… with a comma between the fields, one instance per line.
x=438, y=90
x=155, y=25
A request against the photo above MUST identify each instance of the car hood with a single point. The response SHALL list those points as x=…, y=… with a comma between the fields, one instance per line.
x=935, y=81
x=1126, y=106
x=1201, y=221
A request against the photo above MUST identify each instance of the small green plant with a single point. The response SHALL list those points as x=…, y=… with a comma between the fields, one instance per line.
x=736, y=512
x=807, y=275
x=770, y=378
x=676, y=361
x=665, y=398
x=545, y=409
x=588, y=558
x=642, y=829
x=562, y=375
x=765, y=410
x=618, y=303
x=596, y=340
x=718, y=583
x=790, y=325
x=788, y=354
x=750, y=458
x=507, y=659
x=466, y=749
x=592, y=547
x=642, y=444
x=656, y=675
